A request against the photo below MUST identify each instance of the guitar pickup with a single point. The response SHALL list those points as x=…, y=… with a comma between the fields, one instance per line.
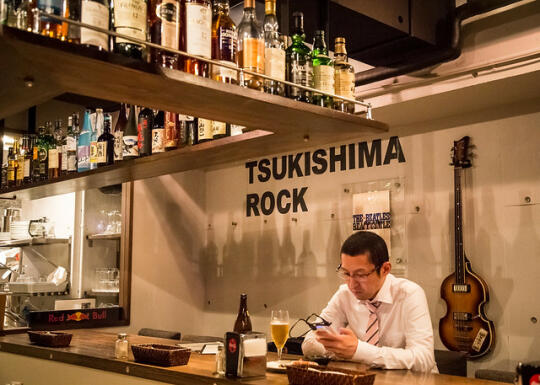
x=462, y=316
x=461, y=288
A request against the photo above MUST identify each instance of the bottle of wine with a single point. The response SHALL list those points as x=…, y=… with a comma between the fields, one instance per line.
x=83, y=145
x=131, y=146
x=96, y=13
x=343, y=77
x=71, y=147
x=251, y=46
x=243, y=322
x=105, y=155
x=299, y=70
x=158, y=133
x=129, y=18
x=197, y=35
x=224, y=43
x=323, y=71
x=164, y=21
x=274, y=50
x=119, y=129
x=144, y=128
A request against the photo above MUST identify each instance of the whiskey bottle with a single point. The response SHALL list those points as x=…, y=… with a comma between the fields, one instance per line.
x=274, y=51
x=53, y=153
x=220, y=129
x=119, y=129
x=63, y=150
x=130, y=139
x=35, y=159
x=205, y=131
x=299, y=70
x=251, y=47
x=71, y=147
x=144, y=131
x=323, y=71
x=25, y=15
x=48, y=26
x=97, y=130
x=343, y=77
x=96, y=13
x=105, y=155
x=83, y=145
x=27, y=146
x=171, y=131
x=158, y=133
x=19, y=159
x=58, y=135
x=197, y=35
x=164, y=22
x=12, y=167
x=129, y=18
x=224, y=43
x=243, y=321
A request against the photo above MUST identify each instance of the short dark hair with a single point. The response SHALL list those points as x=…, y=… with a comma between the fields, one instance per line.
x=366, y=242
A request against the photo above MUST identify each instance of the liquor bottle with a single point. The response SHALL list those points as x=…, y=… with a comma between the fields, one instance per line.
x=19, y=159
x=58, y=136
x=47, y=26
x=97, y=130
x=53, y=153
x=224, y=43
x=251, y=47
x=35, y=159
x=299, y=70
x=158, y=133
x=63, y=151
x=72, y=11
x=183, y=121
x=83, y=145
x=129, y=18
x=243, y=322
x=191, y=132
x=96, y=13
x=164, y=22
x=119, y=129
x=43, y=151
x=274, y=50
x=76, y=124
x=323, y=71
x=343, y=77
x=205, y=131
x=131, y=148
x=12, y=167
x=220, y=129
x=144, y=131
x=106, y=144
x=25, y=15
x=71, y=146
x=171, y=131
x=27, y=146
x=197, y=35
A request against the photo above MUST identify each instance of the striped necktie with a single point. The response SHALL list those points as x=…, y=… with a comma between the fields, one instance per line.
x=372, y=331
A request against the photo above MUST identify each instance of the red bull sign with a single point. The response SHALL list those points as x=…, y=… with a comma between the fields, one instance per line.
x=70, y=319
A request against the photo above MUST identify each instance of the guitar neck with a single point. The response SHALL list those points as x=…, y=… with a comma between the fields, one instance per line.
x=458, y=222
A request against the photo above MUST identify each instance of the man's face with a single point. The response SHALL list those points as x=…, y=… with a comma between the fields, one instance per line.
x=361, y=277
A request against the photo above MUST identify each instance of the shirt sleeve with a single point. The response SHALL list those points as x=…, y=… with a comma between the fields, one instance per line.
x=333, y=312
x=418, y=353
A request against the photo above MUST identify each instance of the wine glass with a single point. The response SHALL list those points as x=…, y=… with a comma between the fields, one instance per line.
x=279, y=328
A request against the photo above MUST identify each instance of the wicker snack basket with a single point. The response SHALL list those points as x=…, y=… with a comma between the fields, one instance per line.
x=50, y=339
x=163, y=355
x=301, y=373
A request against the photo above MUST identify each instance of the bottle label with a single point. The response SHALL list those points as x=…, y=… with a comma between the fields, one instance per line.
x=219, y=128
x=83, y=158
x=344, y=83
x=95, y=14
x=93, y=152
x=253, y=55
x=71, y=143
x=130, y=146
x=26, y=168
x=53, y=158
x=236, y=129
x=72, y=162
x=274, y=62
x=142, y=127
x=169, y=13
x=205, y=129
x=130, y=19
x=223, y=74
x=11, y=174
x=171, y=130
x=20, y=170
x=157, y=140
x=101, y=155
x=63, y=163
x=301, y=73
x=118, y=145
x=323, y=78
x=198, y=30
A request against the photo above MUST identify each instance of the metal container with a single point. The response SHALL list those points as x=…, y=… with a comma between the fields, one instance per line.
x=11, y=214
x=528, y=373
x=245, y=354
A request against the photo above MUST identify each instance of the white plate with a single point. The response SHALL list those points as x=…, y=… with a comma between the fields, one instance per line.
x=278, y=366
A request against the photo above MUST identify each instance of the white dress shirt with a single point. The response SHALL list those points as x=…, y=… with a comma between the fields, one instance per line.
x=406, y=334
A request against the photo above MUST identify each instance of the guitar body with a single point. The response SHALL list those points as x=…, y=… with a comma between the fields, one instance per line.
x=465, y=327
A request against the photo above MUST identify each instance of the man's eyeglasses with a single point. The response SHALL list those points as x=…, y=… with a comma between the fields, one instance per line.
x=345, y=275
x=314, y=321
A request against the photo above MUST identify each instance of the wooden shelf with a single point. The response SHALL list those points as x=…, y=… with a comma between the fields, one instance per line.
x=56, y=68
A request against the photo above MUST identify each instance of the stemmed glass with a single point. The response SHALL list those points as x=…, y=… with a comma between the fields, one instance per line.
x=279, y=327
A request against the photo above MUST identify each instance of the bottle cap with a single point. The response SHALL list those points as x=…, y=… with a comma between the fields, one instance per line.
x=269, y=7
x=298, y=21
x=249, y=3
x=122, y=335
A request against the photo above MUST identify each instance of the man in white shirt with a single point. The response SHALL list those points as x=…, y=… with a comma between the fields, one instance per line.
x=376, y=318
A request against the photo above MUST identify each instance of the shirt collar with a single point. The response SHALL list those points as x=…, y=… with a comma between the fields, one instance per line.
x=384, y=294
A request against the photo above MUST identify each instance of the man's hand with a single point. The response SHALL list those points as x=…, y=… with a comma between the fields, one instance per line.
x=343, y=344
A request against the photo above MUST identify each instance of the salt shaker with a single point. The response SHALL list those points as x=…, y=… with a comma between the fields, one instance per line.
x=121, y=347
x=220, y=360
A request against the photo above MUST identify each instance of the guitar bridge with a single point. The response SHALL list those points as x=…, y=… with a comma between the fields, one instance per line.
x=461, y=288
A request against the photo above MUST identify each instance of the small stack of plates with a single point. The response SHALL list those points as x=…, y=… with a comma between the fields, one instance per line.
x=19, y=230
x=5, y=236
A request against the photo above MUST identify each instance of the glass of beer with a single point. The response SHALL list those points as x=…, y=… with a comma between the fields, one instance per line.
x=279, y=327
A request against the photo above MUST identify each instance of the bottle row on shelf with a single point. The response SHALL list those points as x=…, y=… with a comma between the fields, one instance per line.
x=59, y=151
x=206, y=30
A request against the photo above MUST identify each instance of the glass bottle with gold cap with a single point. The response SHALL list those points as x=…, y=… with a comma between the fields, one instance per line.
x=323, y=71
x=343, y=77
x=251, y=47
x=274, y=50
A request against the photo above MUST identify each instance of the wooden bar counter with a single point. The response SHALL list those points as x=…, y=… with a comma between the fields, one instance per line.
x=90, y=360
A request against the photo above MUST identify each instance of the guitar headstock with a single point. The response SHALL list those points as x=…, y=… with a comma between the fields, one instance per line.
x=461, y=153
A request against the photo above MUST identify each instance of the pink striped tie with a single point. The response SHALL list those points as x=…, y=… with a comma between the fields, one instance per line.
x=372, y=331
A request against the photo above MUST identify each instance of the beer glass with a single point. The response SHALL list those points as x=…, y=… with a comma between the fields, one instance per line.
x=279, y=328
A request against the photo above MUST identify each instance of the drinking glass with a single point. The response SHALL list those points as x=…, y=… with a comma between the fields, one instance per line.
x=279, y=328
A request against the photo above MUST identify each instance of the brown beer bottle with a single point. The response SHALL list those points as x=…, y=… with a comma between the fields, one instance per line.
x=243, y=322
